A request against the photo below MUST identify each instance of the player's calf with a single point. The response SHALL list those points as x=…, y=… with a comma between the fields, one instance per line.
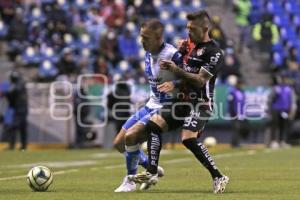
x=118, y=142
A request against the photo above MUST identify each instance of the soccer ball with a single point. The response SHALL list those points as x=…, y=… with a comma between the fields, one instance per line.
x=144, y=146
x=39, y=178
x=210, y=142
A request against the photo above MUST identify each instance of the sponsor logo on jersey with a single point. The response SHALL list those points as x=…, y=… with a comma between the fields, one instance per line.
x=187, y=68
x=200, y=51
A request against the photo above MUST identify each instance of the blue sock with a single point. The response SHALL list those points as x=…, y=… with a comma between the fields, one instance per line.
x=132, y=159
x=143, y=161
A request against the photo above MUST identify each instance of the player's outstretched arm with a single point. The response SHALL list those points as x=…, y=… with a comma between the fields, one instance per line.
x=166, y=87
x=197, y=80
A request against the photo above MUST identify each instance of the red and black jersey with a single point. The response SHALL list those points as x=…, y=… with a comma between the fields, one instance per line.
x=209, y=57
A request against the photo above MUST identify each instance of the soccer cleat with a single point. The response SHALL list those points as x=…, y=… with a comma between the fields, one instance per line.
x=160, y=173
x=219, y=184
x=126, y=186
x=144, y=177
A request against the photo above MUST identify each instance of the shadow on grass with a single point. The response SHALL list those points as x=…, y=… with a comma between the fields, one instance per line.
x=181, y=191
x=15, y=191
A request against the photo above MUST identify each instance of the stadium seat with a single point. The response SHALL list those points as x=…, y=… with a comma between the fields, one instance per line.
x=255, y=16
x=133, y=28
x=141, y=53
x=292, y=7
x=177, y=5
x=278, y=58
x=164, y=16
x=47, y=69
x=69, y=41
x=37, y=15
x=81, y=4
x=4, y=86
x=30, y=56
x=85, y=42
x=291, y=42
x=169, y=30
x=274, y=7
x=277, y=47
x=157, y=3
x=3, y=29
x=180, y=20
x=63, y=4
x=49, y=54
x=288, y=33
x=117, y=77
x=127, y=45
x=281, y=20
x=124, y=66
x=257, y=5
x=296, y=20
x=197, y=4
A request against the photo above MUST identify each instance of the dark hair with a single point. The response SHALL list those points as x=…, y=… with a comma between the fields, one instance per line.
x=201, y=15
x=153, y=24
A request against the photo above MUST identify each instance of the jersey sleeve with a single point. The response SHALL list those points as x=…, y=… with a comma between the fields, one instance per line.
x=177, y=58
x=213, y=62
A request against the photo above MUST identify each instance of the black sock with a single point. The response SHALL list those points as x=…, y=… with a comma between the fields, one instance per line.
x=202, y=154
x=154, y=146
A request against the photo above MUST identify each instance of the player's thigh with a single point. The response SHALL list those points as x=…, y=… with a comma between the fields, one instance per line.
x=173, y=115
x=131, y=121
x=160, y=121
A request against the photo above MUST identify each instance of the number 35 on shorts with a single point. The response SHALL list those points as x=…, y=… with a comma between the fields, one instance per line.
x=190, y=121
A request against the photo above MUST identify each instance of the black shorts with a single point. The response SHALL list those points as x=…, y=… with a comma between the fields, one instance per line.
x=188, y=116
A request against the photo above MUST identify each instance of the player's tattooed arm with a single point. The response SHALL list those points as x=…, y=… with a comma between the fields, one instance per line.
x=197, y=80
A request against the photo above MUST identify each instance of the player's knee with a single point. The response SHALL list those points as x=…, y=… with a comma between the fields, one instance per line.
x=189, y=142
x=131, y=137
x=119, y=145
x=153, y=127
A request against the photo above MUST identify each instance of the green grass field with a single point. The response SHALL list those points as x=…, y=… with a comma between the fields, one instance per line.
x=94, y=174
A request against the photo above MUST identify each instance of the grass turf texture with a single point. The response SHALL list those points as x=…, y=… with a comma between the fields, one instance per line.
x=94, y=174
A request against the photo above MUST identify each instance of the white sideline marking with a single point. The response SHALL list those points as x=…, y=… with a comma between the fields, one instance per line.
x=61, y=164
x=105, y=155
x=226, y=155
x=24, y=176
x=65, y=171
x=94, y=168
x=114, y=166
x=12, y=178
x=179, y=160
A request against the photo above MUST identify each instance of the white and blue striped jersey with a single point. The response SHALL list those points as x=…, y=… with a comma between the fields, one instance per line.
x=158, y=76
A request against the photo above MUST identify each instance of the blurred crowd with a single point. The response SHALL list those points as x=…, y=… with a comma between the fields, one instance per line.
x=66, y=38
x=71, y=37
x=271, y=29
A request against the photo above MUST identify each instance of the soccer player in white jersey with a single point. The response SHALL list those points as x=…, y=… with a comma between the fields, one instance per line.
x=162, y=86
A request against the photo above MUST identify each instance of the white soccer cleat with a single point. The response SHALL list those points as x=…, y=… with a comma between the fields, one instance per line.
x=126, y=186
x=219, y=184
x=160, y=173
